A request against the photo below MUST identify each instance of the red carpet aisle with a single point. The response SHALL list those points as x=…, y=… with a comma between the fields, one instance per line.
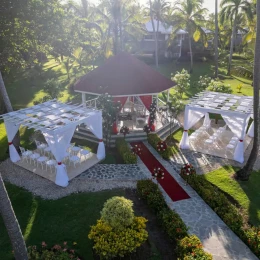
x=171, y=187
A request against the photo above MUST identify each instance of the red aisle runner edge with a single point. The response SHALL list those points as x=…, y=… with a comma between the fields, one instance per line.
x=169, y=184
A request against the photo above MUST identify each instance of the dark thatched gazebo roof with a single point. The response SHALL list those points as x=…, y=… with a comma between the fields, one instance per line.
x=123, y=75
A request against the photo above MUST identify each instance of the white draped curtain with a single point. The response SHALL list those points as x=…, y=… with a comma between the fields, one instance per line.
x=94, y=123
x=238, y=125
x=251, y=130
x=190, y=119
x=207, y=121
x=11, y=130
x=59, y=142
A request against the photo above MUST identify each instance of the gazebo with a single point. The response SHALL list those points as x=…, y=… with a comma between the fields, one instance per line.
x=128, y=80
x=235, y=111
x=57, y=122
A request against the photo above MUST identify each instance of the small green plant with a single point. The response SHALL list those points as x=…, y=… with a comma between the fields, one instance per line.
x=53, y=88
x=218, y=86
x=239, y=88
x=125, y=151
x=118, y=212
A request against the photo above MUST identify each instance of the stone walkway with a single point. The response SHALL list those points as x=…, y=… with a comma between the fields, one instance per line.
x=202, y=221
x=113, y=172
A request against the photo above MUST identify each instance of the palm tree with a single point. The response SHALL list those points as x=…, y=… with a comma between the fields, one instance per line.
x=216, y=39
x=245, y=172
x=190, y=15
x=230, y=11
x=6, y=209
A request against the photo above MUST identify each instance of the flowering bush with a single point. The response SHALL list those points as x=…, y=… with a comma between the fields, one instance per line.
x=136, y=149
x=170, y=221
x=204, y=82
x=152, y=116
x=158, y=173
x=124, y=130
x=118, y=212
x=59, y=252
x=161, y=146
x=125, y=151
x=190, y=247
x=182, y=80
x=217, y=86
x=110, y=243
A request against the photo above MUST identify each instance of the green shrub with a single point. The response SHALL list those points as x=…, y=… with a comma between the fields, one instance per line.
x=125, y=152
x=59, y=252
x=172, y=224
x=190, y=247
x=218, y=86
x=153, y=140
x=118, y=212
x=170, y=221
x=110, y=243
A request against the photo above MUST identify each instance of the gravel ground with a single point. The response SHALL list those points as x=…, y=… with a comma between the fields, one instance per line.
x=47, y=190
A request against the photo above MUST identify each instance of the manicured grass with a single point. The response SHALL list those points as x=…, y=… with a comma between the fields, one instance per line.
x=245, y=193
x=67, y=219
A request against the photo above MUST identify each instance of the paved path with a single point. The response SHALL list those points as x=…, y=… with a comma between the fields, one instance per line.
x=202, y=221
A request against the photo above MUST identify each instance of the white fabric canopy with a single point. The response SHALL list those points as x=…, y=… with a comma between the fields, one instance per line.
x=59, y=142
x=190, y=119
x=251, y=129
x=238, y=125
x=94, y=124
x=11, y=130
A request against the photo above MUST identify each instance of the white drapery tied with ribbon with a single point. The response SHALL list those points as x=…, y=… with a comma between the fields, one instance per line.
x=59, y=142
x=190, y=119
x=11, y=130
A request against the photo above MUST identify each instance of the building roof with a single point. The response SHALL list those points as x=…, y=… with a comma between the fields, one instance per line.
x=123, y=75
x=163, y=28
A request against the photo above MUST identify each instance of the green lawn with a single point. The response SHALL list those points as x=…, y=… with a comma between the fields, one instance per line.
x=247, y=194
x=55, y=221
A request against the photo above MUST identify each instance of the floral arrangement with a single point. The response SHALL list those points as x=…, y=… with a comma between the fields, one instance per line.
x=147, y=129
x=161, y=146
x=158, y=173
x=124, y=130
x=152, y=116
x=59, y=252
x=188, y=169
x=136, y=149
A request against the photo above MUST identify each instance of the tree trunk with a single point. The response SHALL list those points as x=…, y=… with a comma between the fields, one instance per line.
x=216, y=39
x=191, y=55
x=11, y=224
x=121, y=32
x=9, y=108
x=155, y=36
x=85, y=7
x=116, y=38
x=245, y=172
x=232, y=46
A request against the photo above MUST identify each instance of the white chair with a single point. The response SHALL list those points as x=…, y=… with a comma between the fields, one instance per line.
x=51, y=164
x=25, y=154
x=47, y=150
x=230, y=148
x=41, y=160
x=84, y=153
x=235, y=138
x=33, y=157
x=74, y=159
x=74, y=150
x=40, y=146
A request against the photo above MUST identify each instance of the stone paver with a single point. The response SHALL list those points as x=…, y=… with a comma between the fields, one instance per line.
x=202, y=221
x=113, y=172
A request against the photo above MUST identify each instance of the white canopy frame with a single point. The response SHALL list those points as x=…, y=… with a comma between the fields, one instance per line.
x=57, y=121
x=235, y=110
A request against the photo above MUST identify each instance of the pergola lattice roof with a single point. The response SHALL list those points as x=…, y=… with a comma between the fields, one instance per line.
x=50, y=116
x=216, y=102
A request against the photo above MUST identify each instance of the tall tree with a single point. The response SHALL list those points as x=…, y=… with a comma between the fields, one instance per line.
x=189, y=14
x=230, y=11
x=11, y=224
x=216, y=39
x=244, y=173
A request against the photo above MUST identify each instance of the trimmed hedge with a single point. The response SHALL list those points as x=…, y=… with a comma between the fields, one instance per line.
x=125, y=152
x=153, y=140
x=188, y=246
x=218, y=201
